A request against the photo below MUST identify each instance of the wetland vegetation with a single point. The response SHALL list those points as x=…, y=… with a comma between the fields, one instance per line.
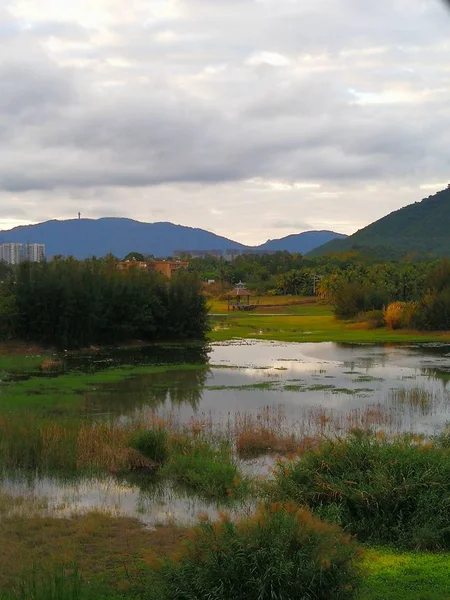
x=109, y=461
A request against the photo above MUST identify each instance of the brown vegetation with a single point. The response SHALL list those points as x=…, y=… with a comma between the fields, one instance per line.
x=112, y=549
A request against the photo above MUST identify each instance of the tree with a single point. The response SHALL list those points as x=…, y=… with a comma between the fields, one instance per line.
x=134, y=256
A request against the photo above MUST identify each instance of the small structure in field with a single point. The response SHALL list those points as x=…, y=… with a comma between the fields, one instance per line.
x=239, y=298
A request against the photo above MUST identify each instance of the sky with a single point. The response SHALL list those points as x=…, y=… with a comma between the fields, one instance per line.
x=253, y=119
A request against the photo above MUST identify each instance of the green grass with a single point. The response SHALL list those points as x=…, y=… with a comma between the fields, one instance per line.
x=314, y=324
x=199, y=466
x=395, y=575
x=152, y=443
x=21, y=363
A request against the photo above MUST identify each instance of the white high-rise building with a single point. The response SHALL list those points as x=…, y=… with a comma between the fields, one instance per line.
x=34, y=252
x=11, y=253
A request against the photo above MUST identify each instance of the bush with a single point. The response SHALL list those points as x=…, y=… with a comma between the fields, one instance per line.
x=282, y=553
x=373, y=318
x=152, y=444
x=399, y=315
x=389, y=492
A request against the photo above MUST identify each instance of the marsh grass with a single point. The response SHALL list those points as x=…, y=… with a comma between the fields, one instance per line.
x=415, y=397
x=282, y=552
x=152, y=443
x=59, y=584
x=207, y=469
x=384, y=491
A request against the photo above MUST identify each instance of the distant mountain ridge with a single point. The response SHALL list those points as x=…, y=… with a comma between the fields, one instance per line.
x=422, y=228
x=82, y=238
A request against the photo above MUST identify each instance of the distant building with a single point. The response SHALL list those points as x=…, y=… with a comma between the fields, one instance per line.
x=34, y=252
x=166, y=267
x=232, y=253
x=11, y=253
x=198, y=253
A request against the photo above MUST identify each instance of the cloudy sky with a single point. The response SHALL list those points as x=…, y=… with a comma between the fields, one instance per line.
x=251, y=118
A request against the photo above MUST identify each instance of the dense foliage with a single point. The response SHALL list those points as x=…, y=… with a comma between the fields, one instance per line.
x=74, y=304
x=382, y=491
x=281, y=553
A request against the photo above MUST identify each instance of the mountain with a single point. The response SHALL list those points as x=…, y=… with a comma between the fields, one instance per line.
x=96, y=237
x=421, y=228
x=301, y=242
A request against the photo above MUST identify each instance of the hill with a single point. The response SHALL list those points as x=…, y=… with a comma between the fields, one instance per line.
x=301, y=242
x=96, y=237
x=421, y=228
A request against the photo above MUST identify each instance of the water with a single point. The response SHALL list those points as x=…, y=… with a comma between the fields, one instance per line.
x=305, y=388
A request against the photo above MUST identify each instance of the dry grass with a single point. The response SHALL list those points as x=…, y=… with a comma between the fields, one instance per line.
x=114, y=550
x=49, y=365
x=106, y=447
x=254, y=442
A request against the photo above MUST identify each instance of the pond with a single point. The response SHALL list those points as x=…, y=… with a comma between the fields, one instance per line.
x=304, y=388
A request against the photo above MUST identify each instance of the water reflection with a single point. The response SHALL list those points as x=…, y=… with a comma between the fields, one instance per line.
x=151, y=391
x=154, y=501
x=155, y=354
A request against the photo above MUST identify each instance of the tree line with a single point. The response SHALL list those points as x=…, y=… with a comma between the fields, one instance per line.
x=72, y=304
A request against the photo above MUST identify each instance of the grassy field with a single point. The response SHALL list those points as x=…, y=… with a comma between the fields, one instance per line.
x=306, y=321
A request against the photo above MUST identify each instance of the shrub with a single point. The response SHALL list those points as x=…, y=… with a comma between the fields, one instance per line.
x=152, y=444
x=382, y=491
x=203, y=468
x=373, y=318
x=400, y=315
x=281, y=553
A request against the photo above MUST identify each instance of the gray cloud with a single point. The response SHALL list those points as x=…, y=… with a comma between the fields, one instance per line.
x=176, y=110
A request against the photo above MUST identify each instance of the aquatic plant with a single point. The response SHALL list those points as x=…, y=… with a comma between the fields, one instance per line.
x=152, y=443
x=197, y=464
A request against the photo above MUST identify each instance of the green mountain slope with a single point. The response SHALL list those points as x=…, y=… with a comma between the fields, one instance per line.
x=423, y=228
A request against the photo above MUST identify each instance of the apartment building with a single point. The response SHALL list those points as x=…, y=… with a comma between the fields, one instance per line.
x=13, y=254
x=34, y=252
